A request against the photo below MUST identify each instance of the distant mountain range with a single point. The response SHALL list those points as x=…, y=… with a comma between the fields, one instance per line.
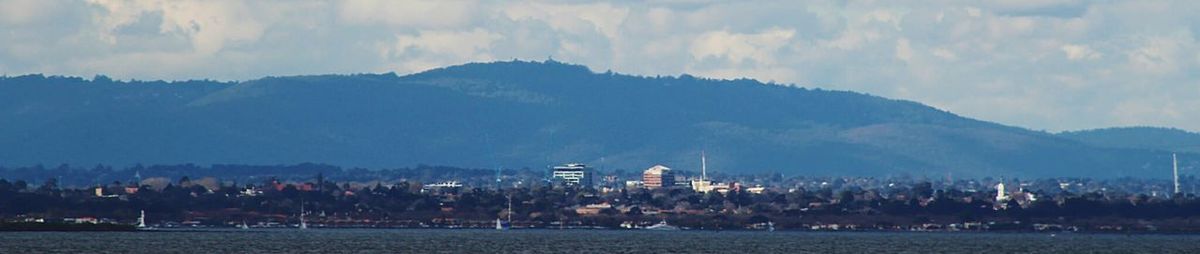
x=535, y=114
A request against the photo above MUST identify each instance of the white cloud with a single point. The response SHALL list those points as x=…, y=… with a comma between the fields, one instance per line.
x=437, y=48
x=974, y=12
x=581, y=18
x=209, y=24
x=1155, y=55
x=1080, y=52
x=18, y=12
x=407, y=13
x=736, y=48
x=945, y=54
x=904, y=51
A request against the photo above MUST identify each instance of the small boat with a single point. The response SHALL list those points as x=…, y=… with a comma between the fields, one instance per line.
x=770, y=226
x=662, y=226
x=243, y=226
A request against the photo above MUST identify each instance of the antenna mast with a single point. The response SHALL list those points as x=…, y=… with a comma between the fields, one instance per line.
x=703, y=166
x=1175, y=171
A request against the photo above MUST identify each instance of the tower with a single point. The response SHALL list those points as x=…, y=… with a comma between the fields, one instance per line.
x=320, y=182
x=1175, y=171
x=498, y=182
x=141, y=223
x=1001, y=196
x=702, y=185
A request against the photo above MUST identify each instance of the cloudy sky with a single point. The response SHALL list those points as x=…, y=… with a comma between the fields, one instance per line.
x=1046, y=65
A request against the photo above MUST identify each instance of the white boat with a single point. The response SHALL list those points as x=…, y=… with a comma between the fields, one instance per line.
x=244, y=226
x=663, y=226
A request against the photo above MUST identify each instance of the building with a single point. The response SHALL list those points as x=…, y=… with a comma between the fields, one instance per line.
x=572, y=174
x=633, y=184
x=447, y=184
x=1001, y=196
x=658, y=176
x=593, y=209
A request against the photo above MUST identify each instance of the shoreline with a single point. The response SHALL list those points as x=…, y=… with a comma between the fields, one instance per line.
x=317, y=229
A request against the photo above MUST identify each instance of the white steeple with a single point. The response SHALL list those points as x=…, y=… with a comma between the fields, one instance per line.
x=1001, y=195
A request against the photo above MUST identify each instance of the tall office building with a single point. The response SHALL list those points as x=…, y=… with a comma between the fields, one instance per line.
x=658, y=176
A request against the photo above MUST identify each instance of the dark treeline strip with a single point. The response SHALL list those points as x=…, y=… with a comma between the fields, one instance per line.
x=72, y=176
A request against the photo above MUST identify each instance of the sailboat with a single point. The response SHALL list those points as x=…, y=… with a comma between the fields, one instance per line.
x=506, y=225
x=303, y=224
x=243, y=226
x=770, y=226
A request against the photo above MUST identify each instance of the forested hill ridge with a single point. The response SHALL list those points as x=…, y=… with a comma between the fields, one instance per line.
x=1143, y=137
x=527, y=114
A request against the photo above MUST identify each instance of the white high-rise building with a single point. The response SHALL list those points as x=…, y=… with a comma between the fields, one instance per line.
x=658, y=176
x=572, y=174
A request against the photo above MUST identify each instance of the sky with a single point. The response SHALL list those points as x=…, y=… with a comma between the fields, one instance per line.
x=1050, y=65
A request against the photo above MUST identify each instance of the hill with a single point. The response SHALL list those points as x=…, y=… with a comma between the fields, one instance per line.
x=525, y=114
x=1152, y=138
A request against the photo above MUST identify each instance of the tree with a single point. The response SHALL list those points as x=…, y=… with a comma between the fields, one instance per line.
x=20, y=185
x=51, y=184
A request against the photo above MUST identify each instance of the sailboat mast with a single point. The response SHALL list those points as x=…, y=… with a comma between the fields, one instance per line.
x=303, y=225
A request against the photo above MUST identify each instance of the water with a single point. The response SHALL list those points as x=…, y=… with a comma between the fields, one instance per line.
x=581, y=241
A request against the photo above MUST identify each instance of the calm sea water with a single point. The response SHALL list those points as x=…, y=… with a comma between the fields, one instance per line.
x=581, y=241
